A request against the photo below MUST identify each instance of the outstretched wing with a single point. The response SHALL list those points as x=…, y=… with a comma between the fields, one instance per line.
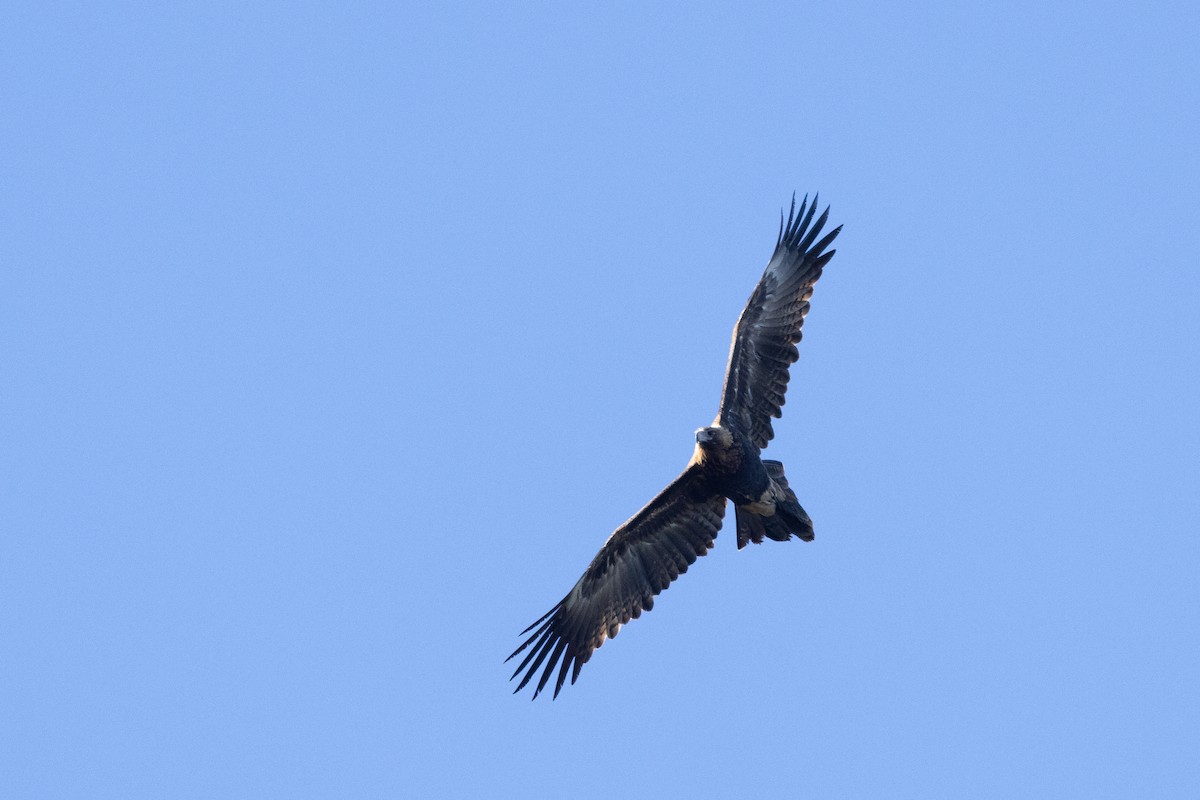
x=637, y=562
x=765, y=337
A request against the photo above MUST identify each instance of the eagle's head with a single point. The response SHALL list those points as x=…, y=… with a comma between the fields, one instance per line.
x=714, y=438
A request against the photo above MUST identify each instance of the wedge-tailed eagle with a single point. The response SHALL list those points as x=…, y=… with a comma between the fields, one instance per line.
x=657, y=544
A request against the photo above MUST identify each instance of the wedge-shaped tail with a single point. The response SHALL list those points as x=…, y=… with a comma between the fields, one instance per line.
x=789, y=519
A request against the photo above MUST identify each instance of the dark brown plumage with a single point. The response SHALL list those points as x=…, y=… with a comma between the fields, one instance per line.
x=652, y=549
x=767, y=332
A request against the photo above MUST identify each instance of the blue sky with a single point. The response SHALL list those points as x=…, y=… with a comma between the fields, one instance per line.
x=334, y=343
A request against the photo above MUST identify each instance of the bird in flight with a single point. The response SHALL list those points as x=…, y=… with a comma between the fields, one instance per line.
x=656, y=545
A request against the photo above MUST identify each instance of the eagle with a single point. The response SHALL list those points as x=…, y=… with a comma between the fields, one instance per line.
x=660, y=542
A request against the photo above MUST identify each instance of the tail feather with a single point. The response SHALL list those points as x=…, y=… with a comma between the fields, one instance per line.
x=790, y=518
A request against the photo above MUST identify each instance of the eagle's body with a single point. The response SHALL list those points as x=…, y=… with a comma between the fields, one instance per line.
x=732, y=467
x=658, y=543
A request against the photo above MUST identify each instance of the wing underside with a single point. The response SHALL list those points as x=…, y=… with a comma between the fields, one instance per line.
x=638, y=561
x=766, y=334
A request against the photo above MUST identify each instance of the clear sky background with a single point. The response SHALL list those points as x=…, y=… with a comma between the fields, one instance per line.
x=333, y=344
